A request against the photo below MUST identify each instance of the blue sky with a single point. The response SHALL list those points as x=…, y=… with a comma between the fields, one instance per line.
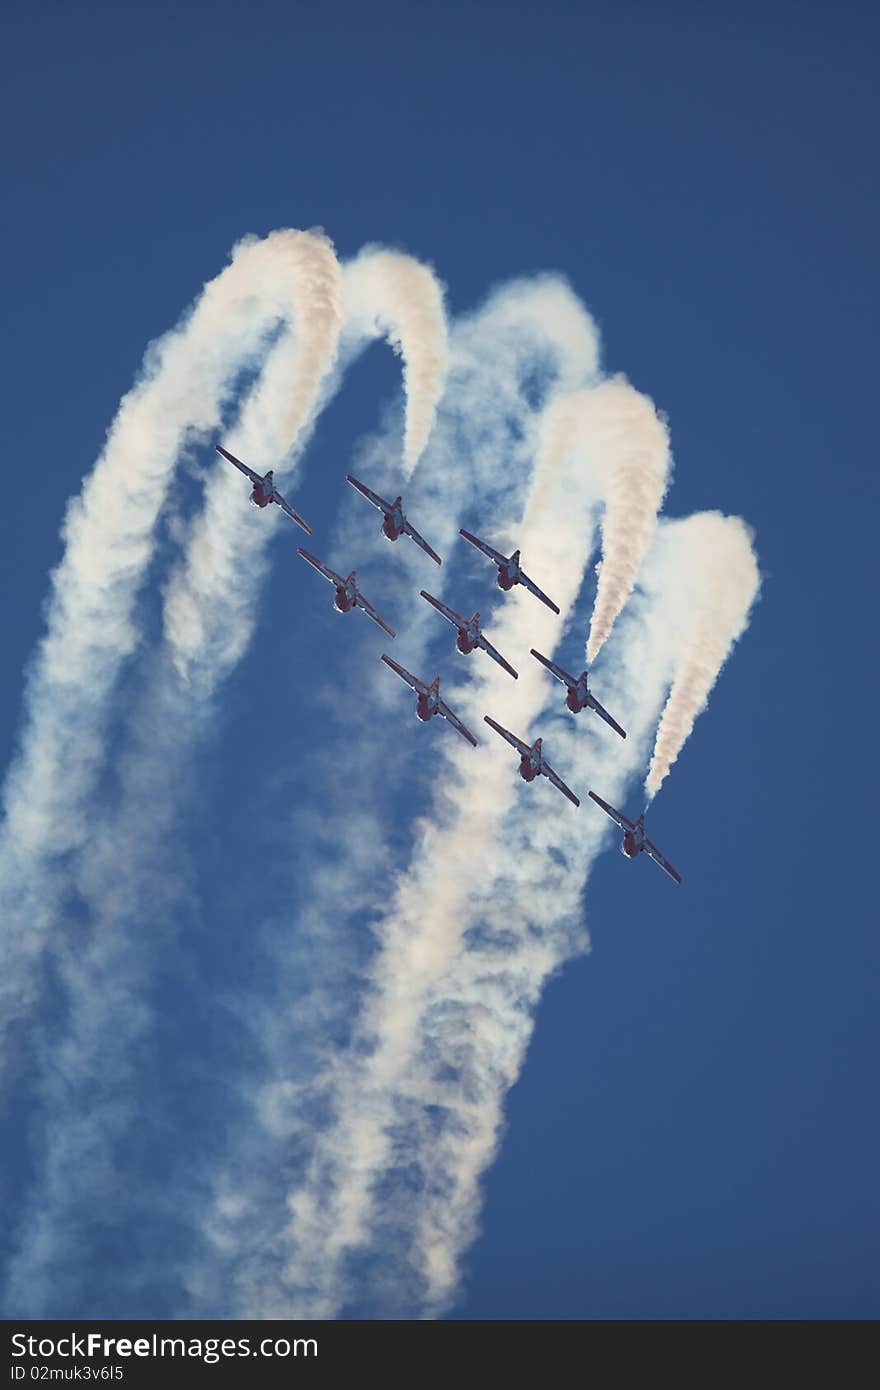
x=694, y=1132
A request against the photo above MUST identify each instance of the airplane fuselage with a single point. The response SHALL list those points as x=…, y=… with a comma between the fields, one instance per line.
x=633, y=841
x=508, y=575
x=509, y=572
x=426, y=705
x=347, y=594
x=468, y=637
x=530, y=763
x=576, y=699
x=425, y=708
x=393, y=522
x=264, y=490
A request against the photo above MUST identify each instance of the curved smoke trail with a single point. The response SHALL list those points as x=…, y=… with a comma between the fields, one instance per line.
x=624, y=427
x=718, y=581
x=210, y=596
x=399, y=296
x=121, y=871
x=109, y=535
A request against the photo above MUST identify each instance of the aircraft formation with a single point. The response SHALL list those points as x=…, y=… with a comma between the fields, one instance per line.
x=469, y=637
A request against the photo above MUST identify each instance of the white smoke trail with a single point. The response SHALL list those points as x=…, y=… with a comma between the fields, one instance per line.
x=210, y=599
x=128, y=876
x=624, y=427
x=109, y=534
x=393, y=293
x=718, y=581
x=105, y=976
x=623, y=443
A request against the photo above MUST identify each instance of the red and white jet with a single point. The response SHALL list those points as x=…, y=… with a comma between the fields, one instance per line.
x=579, y=694
x=634, y=838
x=429, y=702
x=264, y=489
x=531, y=760
x=348, y=595
x=394, y=523
x=509, y=572
x=470, y=634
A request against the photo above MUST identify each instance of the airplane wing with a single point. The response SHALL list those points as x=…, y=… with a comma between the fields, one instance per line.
x=412, y=681
x=533, y=589
x=657, y=857
x=420, y=541
x=373, y=497
x=330, y=575
x=555, y=670
x=370, y=611
x=248, y=472
x=603, y=714
x=522, y=748
x=496, y=655
x=558, y=782
x=481, y=545
x=444, y=710
x=614, y=815
x=447, y=613
x=288, y=511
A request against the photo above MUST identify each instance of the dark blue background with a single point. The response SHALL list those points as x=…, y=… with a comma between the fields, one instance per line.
x=695, y=1133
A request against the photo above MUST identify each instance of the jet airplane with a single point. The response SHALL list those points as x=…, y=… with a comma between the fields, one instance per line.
x=634, y=838
x=579, y=694
x=509, y=571
x=348, y=595
x=532, y=761
x=429, y=702
x=394, y=523
x=470, y=634
x=264, y=489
